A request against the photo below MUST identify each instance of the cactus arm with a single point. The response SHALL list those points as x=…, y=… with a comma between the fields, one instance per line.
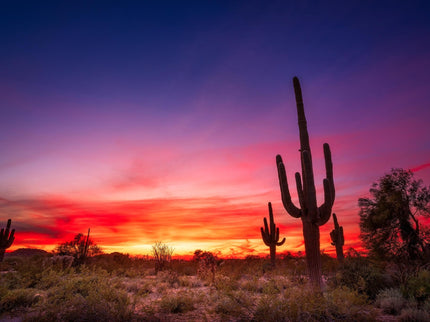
x=329, y=191
x=272, y=224
x=329, y=169
x=281, y=242
x=266, y=228
x=11, y=239
x=264, y=237
x=324, y=210
x=285, y=192
x=300, y=190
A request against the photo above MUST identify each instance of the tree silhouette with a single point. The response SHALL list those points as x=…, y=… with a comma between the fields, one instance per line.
x=80, y=248
x=389, y=224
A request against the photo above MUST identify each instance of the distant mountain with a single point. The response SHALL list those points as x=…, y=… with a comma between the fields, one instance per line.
x=27, y=252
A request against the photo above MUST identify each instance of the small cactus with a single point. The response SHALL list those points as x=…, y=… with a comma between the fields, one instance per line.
x=270, y=235
x=337, y=239
x=6, y=239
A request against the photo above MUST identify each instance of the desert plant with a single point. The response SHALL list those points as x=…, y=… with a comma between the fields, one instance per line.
x=391, y=301
x=418, y=287
x=6, y=239
x=270, y=235
x=338, y=240
x=414, y=315
x=390, y=224
x=311, y=215
x=80, y=248
x=162, y=255
x=177, y=303
x=208, y=263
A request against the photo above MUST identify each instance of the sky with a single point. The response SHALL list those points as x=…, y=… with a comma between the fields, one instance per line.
x=160, y=120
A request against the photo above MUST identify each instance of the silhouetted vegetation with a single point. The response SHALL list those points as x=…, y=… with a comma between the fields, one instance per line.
x=312, y=216
x=270, y=235
x=389, y=220
x=80, y=248
x=162, y=254
x=6, y=239
x=337, y=239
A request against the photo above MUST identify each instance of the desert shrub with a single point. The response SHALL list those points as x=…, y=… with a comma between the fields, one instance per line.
x=224, y=283
x=18, y=298
x=170, y=277
x=233, y=305
x=414, y=315
x=183, y=267
x=302, y=304
x=89, y=296
x=189, y=281
x=418, y=287
x=271, y=287
x=271, y=309
x=360, y=274
x=162, y=254
x=343, y=303
x=391, y=301
x=177, y=303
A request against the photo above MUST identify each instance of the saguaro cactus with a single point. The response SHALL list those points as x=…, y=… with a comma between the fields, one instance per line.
x=337, y=239
x=311, y=215
x=6, y=239
x=270, y=235
x=83, y=253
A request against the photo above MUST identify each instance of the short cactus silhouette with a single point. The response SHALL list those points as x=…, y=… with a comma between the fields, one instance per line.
x=6, y=239
x=337, y=239
x=270, y=235
x=311, y=215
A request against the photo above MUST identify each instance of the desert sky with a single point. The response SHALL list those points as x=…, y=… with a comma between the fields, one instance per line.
x=160, y=120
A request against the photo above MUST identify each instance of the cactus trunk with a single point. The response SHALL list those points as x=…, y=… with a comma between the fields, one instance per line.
x=273, y=255
x=312, y=216
x=311, y=234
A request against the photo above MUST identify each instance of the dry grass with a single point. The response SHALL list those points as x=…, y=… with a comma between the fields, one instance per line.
x=243, y=291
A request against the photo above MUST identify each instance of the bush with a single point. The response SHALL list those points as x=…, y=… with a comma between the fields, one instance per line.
x=418, y=287
x=391, y=301
x=89, y=296
x=18, y=298
x=178, y=303
x=361, y=275
x=414, y=315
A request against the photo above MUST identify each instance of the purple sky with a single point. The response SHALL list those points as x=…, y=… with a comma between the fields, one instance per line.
x=161, y=121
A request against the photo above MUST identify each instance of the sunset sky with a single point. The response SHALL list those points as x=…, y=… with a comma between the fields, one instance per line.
x=160, y=120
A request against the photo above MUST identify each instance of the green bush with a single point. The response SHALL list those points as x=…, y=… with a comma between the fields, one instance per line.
x=418, y=287
x=177, y=303
x=18, y=298
x=363, y=276
x=88, y=296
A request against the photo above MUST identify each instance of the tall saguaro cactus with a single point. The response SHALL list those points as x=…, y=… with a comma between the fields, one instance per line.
x=337, y=239
x=311, y=215
x=270, y=235
x=6, y=239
